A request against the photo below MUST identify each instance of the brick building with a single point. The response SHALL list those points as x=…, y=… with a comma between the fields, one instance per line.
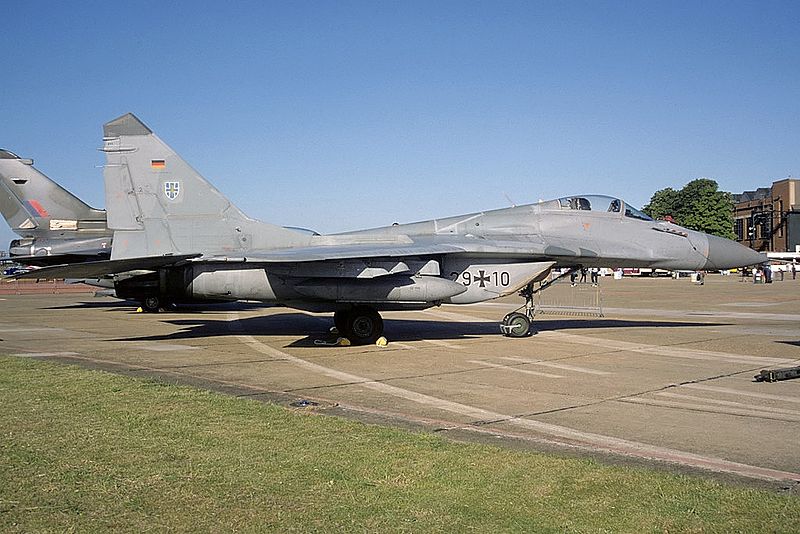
x=768, y=219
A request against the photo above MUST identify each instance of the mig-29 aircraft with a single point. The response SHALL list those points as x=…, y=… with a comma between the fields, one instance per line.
x=196, y=245
x=54, y=226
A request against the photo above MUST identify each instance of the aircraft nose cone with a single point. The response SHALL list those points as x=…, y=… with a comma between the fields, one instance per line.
x=726, y=254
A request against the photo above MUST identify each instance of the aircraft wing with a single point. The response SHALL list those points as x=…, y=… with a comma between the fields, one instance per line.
x=94, y=269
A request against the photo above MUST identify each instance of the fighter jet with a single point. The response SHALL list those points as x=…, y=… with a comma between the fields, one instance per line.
x=196, y=245
x=54, y=225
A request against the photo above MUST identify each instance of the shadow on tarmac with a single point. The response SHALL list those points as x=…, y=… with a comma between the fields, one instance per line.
x=397, y=330
x=131, y=306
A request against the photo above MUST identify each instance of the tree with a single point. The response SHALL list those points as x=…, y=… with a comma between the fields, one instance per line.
x=699, y=205
x=663, y=204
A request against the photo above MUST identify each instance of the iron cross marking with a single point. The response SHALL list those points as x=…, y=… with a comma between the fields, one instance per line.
x=482, y=278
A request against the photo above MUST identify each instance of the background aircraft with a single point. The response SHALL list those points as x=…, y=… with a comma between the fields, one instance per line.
x=54, y=225
x=196, y=245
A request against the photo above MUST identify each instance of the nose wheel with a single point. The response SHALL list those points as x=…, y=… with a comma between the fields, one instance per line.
x=516, y=324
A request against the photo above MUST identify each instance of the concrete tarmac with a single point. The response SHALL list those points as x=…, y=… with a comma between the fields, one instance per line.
x=665, y=377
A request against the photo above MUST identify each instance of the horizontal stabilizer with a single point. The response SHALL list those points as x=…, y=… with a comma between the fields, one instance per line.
x=94, y=269
x=62, y=259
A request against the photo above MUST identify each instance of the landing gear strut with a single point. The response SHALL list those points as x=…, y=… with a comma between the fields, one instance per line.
x=362, y=325
x=340, y=322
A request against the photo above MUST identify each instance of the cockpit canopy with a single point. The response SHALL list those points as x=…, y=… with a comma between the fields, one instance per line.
x=596, y=203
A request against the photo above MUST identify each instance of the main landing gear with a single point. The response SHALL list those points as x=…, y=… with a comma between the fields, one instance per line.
x=362, y=325
x=155, y=304
x=518, y=322
x=151, y=304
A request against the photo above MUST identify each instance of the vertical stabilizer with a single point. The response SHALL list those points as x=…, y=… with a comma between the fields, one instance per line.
x=36, y=206
x=158, y=204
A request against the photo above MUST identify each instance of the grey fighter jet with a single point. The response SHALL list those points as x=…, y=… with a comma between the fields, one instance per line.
x=196, y=245
x=54, y=225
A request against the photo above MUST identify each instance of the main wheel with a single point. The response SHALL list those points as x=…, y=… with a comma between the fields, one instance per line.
x=151, y=304
x=364, y=325
x=517, y=325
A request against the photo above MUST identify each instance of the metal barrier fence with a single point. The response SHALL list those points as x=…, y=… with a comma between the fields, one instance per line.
x=564, y=298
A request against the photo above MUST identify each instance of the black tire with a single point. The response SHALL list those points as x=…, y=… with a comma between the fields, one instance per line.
x=340, y=321
x=364, y=325
x=151, y=304
x=518, y=325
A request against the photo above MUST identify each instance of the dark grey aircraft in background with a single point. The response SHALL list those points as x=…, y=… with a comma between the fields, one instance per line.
x=196, y=245
x=54, y=225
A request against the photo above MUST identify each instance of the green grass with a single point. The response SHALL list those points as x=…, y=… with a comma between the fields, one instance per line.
x=89, y=451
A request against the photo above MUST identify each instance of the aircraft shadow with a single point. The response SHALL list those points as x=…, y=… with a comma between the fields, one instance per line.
x=183, y=308
x=92, y=305
x=595, y=323
x=316, y=328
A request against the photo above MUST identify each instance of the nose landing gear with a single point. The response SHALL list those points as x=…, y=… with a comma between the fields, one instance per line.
x=518, y=322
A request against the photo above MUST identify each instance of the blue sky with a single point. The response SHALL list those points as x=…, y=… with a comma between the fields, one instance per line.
x=344, y=115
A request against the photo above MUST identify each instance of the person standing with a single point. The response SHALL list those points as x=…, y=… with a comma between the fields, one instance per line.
x=794, y=270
